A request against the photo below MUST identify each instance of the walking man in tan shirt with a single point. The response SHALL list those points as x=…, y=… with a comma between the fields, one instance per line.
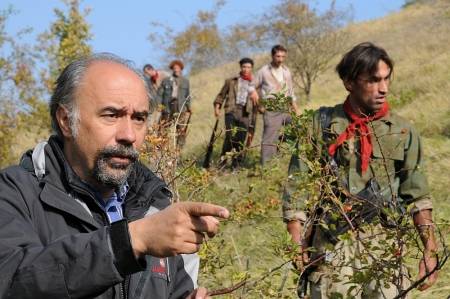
x=273, y=78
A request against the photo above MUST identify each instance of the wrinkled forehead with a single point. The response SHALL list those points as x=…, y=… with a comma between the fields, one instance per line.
x=110, y=82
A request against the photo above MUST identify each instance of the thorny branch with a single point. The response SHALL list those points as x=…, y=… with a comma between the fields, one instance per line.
x=324, y=182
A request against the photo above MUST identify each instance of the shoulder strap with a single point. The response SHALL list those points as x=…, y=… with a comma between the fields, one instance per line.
x=38, y=158
x=325, y=114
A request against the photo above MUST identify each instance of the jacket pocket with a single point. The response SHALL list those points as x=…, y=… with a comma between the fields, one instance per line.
x=387, y=160
x=39, y=283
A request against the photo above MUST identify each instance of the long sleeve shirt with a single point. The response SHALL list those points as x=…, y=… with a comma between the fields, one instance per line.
x=396, y=163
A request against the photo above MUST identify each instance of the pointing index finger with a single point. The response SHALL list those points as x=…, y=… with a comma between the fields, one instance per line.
x=205, y=209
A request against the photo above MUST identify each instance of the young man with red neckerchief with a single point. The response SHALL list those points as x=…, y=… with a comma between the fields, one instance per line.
x=238, y=96
x=370, y=148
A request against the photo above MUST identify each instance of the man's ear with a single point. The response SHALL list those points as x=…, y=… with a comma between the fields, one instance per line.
x=62, y=118
x=348, y=85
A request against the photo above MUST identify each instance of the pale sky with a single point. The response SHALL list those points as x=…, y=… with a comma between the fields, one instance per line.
x=122, y=27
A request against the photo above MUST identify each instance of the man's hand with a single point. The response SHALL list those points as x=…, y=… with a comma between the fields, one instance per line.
x=295, y=228
x=295, y=108
x=427, y=264
x=423, y=221
x=200, y=293
x=255, y=98
x=178, y=229
x=217, y=110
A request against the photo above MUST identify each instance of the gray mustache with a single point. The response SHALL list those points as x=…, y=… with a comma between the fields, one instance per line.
x=119, y=151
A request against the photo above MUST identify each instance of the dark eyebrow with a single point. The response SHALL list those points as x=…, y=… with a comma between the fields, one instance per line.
x=120, y=111
x=113, y=110
x=143, y=114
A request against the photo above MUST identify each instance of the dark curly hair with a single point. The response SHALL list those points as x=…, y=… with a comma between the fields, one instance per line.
x=246, y=60
x=176, y=62
x=363, y=59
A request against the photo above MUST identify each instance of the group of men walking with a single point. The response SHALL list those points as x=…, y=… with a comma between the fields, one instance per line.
x=241, y=96
x=240, y=99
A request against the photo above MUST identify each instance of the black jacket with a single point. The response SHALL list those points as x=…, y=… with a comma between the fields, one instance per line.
x=55, y=240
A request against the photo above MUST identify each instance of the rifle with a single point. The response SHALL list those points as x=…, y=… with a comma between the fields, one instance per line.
x=251, y=130
x=308, y=234
x=186, y=125
x=251, y=127
x=302, y=289
x=209, y=150
x=188, y=99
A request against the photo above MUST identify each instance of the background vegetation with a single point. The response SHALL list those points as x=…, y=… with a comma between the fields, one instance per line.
x=251, y=243
x=417, y=38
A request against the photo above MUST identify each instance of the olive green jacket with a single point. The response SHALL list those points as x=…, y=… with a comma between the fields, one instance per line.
x=228, y=94
x=396, y=158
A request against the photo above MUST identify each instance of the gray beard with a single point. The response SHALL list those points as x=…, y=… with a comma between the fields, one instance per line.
x=109, y=173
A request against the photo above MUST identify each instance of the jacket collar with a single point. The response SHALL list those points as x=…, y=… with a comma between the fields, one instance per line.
x=58, y=173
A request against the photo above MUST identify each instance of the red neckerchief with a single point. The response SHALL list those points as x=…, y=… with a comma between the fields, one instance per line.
x=155, y=77
x=247, y=77
x=359, y=123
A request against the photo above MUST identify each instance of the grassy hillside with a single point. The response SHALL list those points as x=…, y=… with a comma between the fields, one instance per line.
x=418, y=39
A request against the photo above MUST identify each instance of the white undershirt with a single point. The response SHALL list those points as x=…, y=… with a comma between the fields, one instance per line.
x=278, y=74
x=244, y=87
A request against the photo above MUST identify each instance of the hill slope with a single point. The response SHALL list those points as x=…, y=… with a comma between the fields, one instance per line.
x=418, y=40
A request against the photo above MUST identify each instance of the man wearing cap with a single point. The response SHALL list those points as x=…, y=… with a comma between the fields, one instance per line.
x=174, y=92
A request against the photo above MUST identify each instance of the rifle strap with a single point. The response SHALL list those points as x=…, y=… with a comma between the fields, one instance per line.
x=325, y=115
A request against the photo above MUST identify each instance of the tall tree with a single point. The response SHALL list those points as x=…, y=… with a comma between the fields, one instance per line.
x=24, y=117
x=312, y=38
x=19, y=91
x=199, y=45
x=67, y=39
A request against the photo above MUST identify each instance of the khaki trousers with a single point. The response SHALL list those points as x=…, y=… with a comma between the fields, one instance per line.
x=273, y=122
x=350, y=259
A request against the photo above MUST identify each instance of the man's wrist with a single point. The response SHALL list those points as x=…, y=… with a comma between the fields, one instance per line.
x=138, y=246
x=126, y=260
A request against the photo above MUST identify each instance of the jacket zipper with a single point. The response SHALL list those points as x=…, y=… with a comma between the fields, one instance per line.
x=123, y=285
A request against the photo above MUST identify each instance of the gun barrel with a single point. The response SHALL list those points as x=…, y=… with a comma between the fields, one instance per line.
x=210, y=148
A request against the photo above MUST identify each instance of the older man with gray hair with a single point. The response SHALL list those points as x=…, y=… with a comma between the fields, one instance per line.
x=81, y=217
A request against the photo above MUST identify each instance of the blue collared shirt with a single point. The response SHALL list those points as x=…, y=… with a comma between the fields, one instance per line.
x=113, y=205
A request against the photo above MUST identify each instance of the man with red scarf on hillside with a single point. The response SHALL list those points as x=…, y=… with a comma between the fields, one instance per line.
x=153, y=78
x=375, y=157
x=238, y=96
